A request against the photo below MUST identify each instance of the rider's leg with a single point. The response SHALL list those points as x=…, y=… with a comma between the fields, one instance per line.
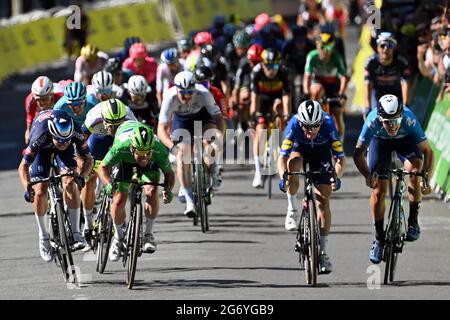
x=316, y=91
x=184, y=171
x=118, y=211
x=151, y=207
x=414, y=189
x=88, y=198
x=259, y=137
x=294, y=165
x=323, y=193
x=378, y=207
x=40, y=208
x=244, y=107
x=278, y=112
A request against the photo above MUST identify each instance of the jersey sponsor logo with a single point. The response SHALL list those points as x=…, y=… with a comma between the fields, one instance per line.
x=44, y=115
x=410, y=122
x=287, y=144
x=337, y=146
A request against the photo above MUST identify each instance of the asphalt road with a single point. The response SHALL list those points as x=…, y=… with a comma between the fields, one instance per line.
x=247, y=254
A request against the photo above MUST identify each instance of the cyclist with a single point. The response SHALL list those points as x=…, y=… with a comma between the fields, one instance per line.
x=53, y=134
x=99, y=129
x=139, y=98
x=74, y=102
x=187, y=103
x=135, y=146
x=184, y=45
x=139, y=63
x=393, y=127
x=270, y=96
x=114, y=67
x=101, y=88
x=124, y=53
x=242, y=81
x=386, y=73
x=44, y=93
x=169, y=67
x=90, y=61
x=311, y=136
x=325, y=75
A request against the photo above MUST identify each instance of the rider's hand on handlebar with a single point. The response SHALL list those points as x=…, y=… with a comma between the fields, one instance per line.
x=109, y=189
x=426, y=188
x=80, y=181
x=371, y=180
x=29, y=195
x=335, y=183
x=167, y=196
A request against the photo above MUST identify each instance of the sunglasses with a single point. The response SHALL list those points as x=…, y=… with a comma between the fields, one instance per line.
x=390, y=122
x=76, y=103
x=142, y=153
x=62, y=141
x=111, y=125
x=307, y=127
x=107, y=91
x=387, y=45
x=188, y=92
x=272, y=66
x=43, y=98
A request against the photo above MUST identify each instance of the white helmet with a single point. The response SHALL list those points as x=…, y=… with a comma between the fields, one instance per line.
x=310, y=113
x=42, y=86
x=389, y=107
x=185, y=80
x=137, y=85
x=102, y=80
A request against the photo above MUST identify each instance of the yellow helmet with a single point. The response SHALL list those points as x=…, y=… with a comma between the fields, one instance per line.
x=89, y=51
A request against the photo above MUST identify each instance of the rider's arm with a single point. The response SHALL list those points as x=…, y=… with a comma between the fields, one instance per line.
x=306, y=82
x=405, y=91
x=282, y=165
x=428, y=162
x=163, y=134
x=339, y=166
x=254, y=102
x=165, y=116
x=104, y=174
x=360, y=159
x=344, y=81
x=286, y=105
x=367, y=94
x=24, y=173
x=218, y=118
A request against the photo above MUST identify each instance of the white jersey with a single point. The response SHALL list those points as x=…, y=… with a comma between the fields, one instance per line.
x=94, y=120
x=116, y=90
x=164, y=77
x=202, y=98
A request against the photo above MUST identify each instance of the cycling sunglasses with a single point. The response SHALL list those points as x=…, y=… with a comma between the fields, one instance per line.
x=107, y=91
x=43, y=98
x=272, y=66
x=390, y=122
x=62, y=141
x=308, y=127
x=143, y=153
x=188, y=92
x=388, y=45
x=76, y=103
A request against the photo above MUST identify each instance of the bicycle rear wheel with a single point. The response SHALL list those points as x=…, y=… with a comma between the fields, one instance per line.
x=313, y=243
x=135, y=245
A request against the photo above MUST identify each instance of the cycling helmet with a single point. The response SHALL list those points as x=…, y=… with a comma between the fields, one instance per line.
x=254, y=53
x=75, y=91
x=137, y=85
x=142, y=138
x=241, y=39
x=185, y=80
x=261, y=20
x=389, y=107
x=185, y=44
x=89, y=51
x=42, y=86
x=102, y=80
x=271, y=56
x=384, y=37
x=325, y=40
x=60, y=125
x=113, y=65
x=130, y=41
x=203, y=38
x=203, y=73
x=138, y=50
x=208, y=51
x=310, y=113
x=169, y=56
x=113, y=111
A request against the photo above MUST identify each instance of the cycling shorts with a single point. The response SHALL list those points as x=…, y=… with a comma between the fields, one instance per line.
x=99, y=145
x=187, y=121
x=319, y=159
x=127, y=171
x=40, y=168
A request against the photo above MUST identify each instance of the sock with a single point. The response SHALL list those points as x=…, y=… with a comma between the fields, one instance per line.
x=188, y=195
x=323, y=243
x=379, y=232
x=413, y=213
x=257, y=166
x=74, y=218
x=292, y=201
x=149, y=225
x=88, y=219
x=119, y=231
x=42, y=225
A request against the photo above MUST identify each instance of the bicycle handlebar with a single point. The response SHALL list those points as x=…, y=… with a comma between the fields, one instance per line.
x=140, y=183
x=67, y=174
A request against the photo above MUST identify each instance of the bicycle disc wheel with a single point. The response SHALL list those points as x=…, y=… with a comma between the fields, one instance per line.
x=135, y=247
x=313, y=243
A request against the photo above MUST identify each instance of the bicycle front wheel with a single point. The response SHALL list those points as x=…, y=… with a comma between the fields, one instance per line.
x=65, y=248
x=135, y=245
x=104, y=235
x=200, y=198
x=313, y=243
x=390, y=253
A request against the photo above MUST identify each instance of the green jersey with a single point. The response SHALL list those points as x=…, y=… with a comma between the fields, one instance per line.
x=120, y=150
x=326, y=72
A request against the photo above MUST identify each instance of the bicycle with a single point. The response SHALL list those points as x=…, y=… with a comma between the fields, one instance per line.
x=396, y=229
x=61, y=237
x=102, y=233
x=271, y=151
x=132, y=246
x=307, y=239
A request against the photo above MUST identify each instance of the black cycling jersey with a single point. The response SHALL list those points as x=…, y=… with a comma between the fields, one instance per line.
x=295, y=52
x=243, y=74
x=386, y=79
x=276, y=87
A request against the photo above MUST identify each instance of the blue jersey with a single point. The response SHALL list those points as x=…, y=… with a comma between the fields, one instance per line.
x=40, y=138
x=92, y=99
x=64, y=106
x=410, y=126
x=327, y=139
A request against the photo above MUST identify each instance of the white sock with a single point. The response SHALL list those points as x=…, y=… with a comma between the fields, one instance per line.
x=149, y=225
x=88, y=219
x=257, y=166
x=42, y=225
x=118, y=235
x=188, y=195
x=292, y=201
x=323, y=243
x=74, y=218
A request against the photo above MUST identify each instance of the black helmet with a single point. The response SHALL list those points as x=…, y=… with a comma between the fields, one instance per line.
x=203, y=73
